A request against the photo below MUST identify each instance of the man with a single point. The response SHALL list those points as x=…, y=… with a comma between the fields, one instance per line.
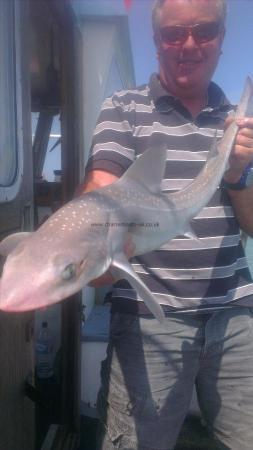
x=150, y=370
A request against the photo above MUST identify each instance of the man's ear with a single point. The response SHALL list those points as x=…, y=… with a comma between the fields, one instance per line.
x=223, y=34
x=156, y=40
x=157, y=44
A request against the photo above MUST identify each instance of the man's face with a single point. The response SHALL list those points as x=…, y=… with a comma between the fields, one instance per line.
x=186, y=67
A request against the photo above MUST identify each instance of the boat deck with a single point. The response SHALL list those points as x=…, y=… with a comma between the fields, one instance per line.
x=193, y=435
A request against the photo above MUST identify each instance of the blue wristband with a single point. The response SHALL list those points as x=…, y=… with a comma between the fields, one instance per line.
x=240, y=184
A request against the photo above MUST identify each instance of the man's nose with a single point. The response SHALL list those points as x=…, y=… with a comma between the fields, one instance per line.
x=190, y=42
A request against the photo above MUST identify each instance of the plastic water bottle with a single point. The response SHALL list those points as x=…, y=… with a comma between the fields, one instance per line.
x=44, y=352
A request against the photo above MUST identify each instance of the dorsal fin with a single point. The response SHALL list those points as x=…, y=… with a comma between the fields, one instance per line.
x=148, y=169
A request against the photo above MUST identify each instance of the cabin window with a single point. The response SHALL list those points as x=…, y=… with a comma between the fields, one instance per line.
x=8, y=116
x=49, y=166
x=53, y=156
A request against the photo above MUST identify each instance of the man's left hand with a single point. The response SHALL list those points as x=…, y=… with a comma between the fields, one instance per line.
x=242, y=152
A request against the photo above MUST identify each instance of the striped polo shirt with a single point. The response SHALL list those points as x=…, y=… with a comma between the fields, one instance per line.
x=185, y=275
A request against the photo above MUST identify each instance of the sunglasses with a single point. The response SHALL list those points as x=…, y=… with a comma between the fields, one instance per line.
x=201, y=33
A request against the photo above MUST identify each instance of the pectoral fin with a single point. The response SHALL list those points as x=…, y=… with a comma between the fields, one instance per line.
x=121, y=268
x=190, y=234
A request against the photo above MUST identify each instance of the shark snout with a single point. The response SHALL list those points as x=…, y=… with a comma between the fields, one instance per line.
x=12, y=301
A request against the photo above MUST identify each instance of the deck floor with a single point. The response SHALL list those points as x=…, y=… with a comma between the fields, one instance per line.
x=193, y=435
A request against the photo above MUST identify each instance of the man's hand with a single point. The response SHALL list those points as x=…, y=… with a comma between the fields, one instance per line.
x=241, y=156
x=242, y=152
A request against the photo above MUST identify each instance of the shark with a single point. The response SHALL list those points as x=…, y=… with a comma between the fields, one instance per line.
x=88, y=235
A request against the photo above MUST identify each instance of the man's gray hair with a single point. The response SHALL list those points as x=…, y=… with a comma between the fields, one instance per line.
x=156, y=12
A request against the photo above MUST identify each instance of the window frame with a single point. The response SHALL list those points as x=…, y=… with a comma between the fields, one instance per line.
x=10, y=192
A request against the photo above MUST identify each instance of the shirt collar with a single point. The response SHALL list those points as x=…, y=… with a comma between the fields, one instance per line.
x=166, y=102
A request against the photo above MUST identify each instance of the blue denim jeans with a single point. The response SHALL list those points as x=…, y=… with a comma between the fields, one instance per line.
x=150, y=371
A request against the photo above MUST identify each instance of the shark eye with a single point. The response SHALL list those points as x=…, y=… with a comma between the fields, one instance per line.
x=69, y=272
